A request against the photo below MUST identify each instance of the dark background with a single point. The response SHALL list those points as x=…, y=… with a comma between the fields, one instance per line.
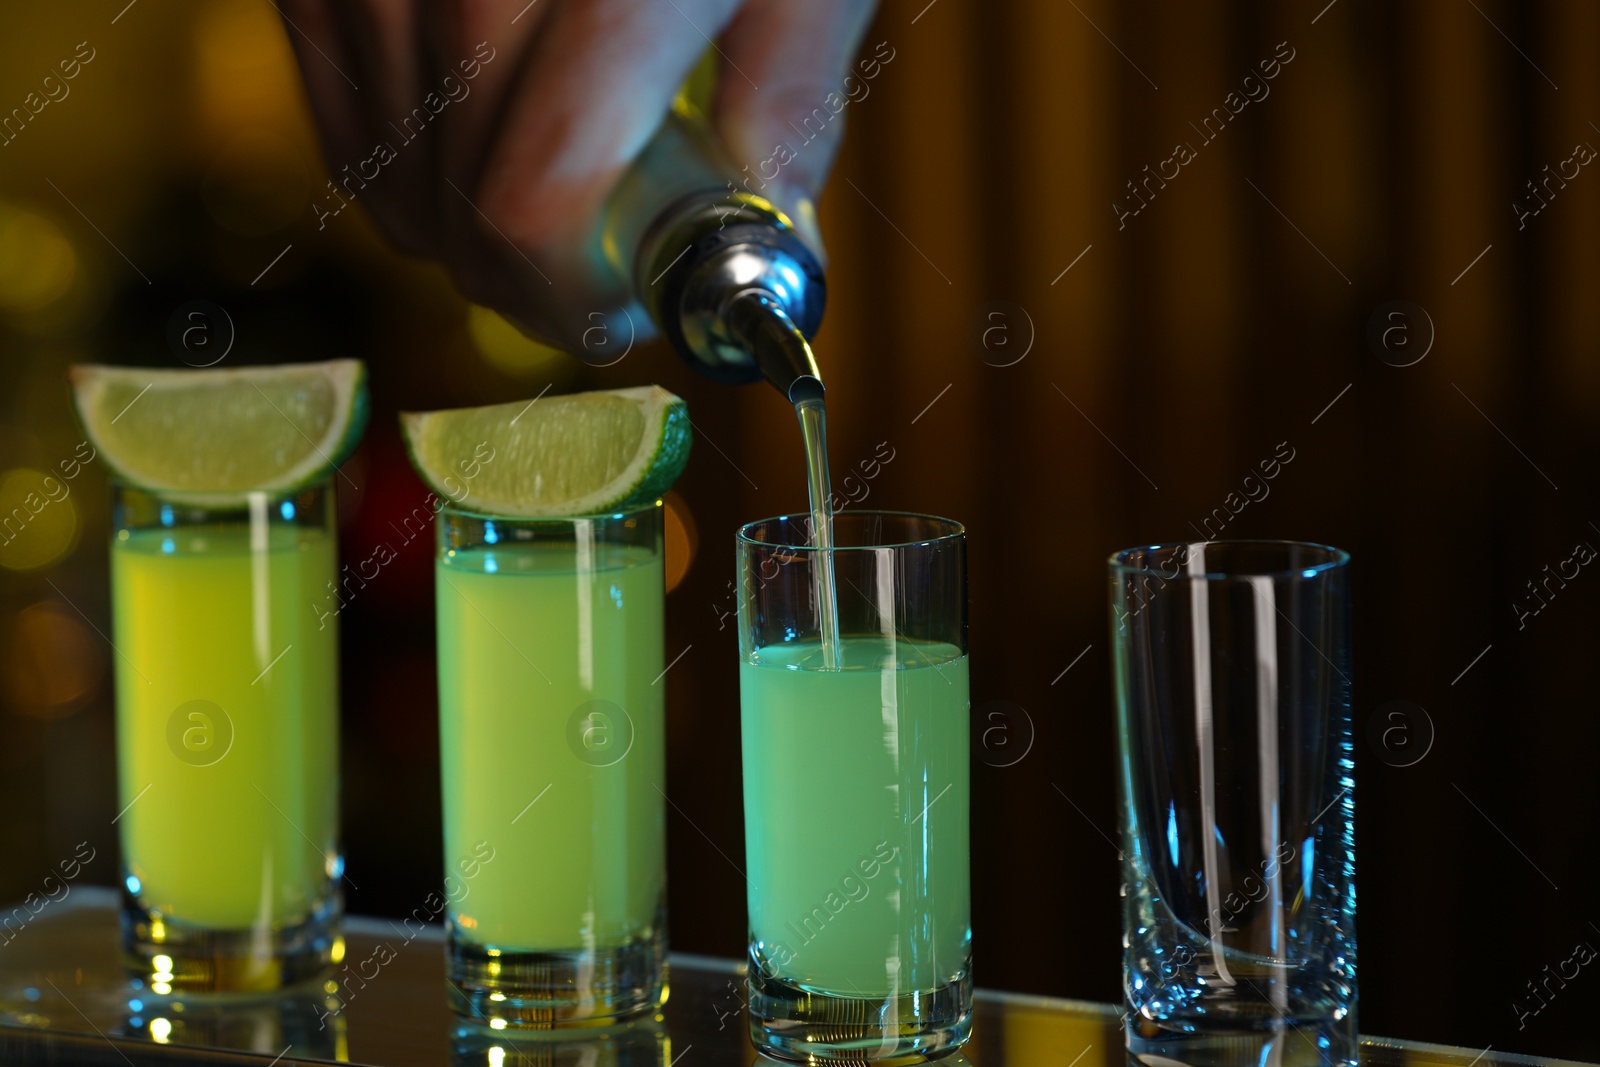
x=1229, y=316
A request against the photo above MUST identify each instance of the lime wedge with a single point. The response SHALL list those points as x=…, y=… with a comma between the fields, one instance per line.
x=578, y=454
x=223, y=432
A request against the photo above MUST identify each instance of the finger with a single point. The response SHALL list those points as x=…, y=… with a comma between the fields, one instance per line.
x=314, y=34
x=599, y=78
x=389, y=169
x=484, y=43
x=342, y=79
x=788, y=130
x=381, y=37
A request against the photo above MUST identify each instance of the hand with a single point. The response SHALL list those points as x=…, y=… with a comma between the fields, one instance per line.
x=487, y=134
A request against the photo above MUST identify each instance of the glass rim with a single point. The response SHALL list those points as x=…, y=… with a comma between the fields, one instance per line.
x=613, y=514
x=216, y=499
x=954, y=531
x=1336, y=558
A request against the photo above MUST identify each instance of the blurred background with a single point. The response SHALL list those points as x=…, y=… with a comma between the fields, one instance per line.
x=1070, y=356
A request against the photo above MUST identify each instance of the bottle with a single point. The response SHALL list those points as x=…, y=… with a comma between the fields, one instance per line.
x=720, y=269
x=734, y=289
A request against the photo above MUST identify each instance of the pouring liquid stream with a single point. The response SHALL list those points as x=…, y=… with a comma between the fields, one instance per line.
x=757, y=319
x=813, y=415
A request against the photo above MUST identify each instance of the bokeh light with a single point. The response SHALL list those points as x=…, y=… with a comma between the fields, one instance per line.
x=505, y=348
x=38, y=522
x=51, y=664
x=246, y=71
x=37, y=262
x=680, y=539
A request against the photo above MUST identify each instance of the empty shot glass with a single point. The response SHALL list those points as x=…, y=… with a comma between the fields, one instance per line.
x=1232, y=674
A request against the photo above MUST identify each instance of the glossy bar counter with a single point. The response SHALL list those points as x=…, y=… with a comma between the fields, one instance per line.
x=65, y=1000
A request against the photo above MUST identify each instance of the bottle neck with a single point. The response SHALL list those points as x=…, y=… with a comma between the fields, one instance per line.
x=689, y=240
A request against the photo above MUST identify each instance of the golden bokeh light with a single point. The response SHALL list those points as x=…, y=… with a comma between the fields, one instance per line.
x=38, y=521
x=37, y=262
x=51, y=664
x=680, y=539
x=246, y=71
x=505, y=348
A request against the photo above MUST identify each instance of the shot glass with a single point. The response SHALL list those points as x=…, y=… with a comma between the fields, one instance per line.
x=551, y=736
x=226, y=632
x=1232, y=673
x=856, y=789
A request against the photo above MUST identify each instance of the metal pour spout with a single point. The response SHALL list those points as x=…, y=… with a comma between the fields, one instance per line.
x=758, y=319
x=735, y=290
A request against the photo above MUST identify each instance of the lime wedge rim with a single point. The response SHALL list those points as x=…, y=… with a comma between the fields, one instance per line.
x=657, y=458
x=626, y=509
x=349, y=414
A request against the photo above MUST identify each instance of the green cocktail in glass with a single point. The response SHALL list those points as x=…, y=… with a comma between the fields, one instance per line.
x=222, y=555
x=856, y=788
x=871, y=746
x=551, y=721
x=228, y=736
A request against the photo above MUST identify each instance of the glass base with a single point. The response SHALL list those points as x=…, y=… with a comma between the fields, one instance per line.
x=176, y=957
x=641, y=1042
x=1280, y=1042
x=789, y=1022
x=306, y=1018
x=548, y=990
